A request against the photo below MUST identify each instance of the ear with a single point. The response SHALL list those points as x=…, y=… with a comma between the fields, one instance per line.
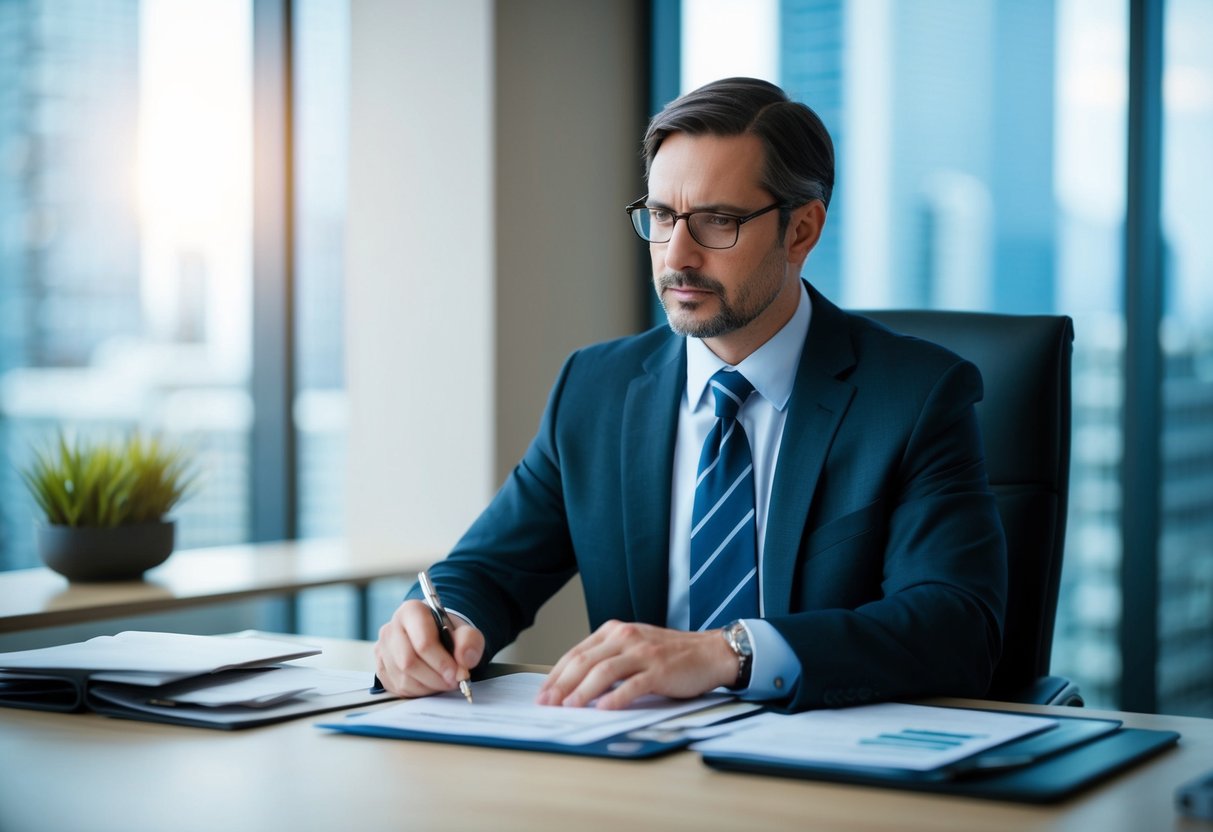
x=804, y=230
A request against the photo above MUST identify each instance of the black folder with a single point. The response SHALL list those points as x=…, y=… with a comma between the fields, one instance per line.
x=1041, y=768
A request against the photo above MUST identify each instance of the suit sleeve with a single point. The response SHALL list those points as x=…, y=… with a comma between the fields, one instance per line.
x=936, y=625
x=518, y=552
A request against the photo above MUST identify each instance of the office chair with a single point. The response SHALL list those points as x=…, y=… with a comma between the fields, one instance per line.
x=1025, y=424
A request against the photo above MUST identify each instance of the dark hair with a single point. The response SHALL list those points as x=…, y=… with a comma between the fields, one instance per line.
x=799, y=155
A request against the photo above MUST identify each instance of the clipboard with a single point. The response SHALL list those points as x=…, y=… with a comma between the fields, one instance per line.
x=1041, y=768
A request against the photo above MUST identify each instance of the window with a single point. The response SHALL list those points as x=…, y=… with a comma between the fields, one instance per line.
x=321, y=87
x=125, y=242
x=127, y=254
x=1185, y=546
x=981, y=159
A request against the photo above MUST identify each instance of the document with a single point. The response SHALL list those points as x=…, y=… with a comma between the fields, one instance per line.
x=505, y=710
x=885, y=736
x=238, y=699
x=161, y=657
x=258, y=688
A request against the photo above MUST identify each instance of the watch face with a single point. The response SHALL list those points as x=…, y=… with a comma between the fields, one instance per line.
x=739, y=639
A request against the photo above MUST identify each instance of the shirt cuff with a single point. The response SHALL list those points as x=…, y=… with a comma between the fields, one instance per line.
x=774, y=668
x=460, y=616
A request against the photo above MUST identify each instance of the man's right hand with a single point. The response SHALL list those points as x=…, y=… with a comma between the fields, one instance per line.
x=410, y=659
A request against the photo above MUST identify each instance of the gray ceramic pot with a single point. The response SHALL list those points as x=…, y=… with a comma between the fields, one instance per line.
x=117, y=553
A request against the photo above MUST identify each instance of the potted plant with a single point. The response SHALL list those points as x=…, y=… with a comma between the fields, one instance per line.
x=105, y=505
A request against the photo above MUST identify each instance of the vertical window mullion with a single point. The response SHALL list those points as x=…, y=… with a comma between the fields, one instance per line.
x=273, y=460
x=1141, y=465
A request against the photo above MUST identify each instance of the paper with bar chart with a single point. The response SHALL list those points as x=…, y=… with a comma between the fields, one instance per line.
x=886, y=736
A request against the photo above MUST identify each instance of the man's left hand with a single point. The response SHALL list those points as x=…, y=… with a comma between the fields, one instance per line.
x=620, y=662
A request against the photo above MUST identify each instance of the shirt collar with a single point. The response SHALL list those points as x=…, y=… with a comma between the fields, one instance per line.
x=771, y=368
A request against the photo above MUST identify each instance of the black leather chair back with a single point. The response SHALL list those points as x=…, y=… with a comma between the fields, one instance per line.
x=1025, y=424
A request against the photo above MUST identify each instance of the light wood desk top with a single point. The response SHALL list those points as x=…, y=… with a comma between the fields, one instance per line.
x=83, y=772
x=32, y=598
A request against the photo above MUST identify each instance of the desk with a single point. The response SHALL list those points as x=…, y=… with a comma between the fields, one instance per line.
x=67, y=772
x=32, y=598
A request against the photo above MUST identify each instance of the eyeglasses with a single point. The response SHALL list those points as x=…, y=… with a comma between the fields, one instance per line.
x=708, y=228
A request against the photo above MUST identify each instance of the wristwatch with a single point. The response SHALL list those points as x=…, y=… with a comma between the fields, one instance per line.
x=738, y=638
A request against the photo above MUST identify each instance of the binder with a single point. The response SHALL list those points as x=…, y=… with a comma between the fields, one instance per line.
x=1041, y=768
x=201, y=681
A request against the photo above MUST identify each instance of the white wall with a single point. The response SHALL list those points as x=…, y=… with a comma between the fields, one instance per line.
x=493, y=146
x=419, y=276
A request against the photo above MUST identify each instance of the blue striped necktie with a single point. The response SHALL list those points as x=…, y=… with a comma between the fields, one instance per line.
x=724, y=550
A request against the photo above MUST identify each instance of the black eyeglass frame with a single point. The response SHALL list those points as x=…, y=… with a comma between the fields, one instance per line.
x=740, y=220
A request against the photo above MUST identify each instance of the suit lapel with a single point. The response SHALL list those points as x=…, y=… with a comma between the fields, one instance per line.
x=819, y=402
x=650, y=423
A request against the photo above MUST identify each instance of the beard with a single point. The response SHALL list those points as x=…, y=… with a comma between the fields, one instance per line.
x=751, y=300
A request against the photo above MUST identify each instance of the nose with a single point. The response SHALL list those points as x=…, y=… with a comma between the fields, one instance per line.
x=682, y=253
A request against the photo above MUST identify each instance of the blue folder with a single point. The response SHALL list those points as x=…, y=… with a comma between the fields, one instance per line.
x=631, y=745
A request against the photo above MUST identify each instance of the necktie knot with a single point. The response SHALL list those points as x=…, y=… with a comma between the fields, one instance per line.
x=731, y=389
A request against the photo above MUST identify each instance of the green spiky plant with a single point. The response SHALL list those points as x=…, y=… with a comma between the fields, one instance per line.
x=108, y=483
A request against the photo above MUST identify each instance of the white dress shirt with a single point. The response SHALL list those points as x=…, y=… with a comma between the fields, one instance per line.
x=772, y=370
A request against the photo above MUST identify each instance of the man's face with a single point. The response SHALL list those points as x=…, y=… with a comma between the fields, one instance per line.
x=731, y=293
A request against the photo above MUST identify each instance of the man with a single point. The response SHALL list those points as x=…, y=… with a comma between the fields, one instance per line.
x=825, y=538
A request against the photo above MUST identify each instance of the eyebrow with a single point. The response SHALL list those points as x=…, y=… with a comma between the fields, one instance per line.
x=714, y=208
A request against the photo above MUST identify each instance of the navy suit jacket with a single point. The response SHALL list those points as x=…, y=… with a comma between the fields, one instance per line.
x=884, y=565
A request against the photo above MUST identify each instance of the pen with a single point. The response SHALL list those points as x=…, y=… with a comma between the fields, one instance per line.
x=444, y=625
